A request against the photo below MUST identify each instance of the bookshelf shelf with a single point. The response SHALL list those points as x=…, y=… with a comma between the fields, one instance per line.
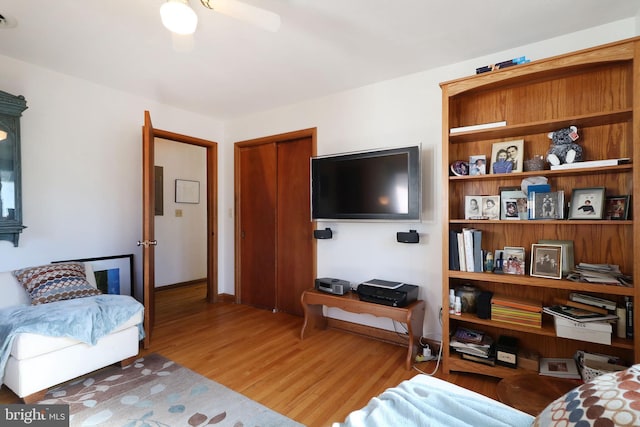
x=592, y=89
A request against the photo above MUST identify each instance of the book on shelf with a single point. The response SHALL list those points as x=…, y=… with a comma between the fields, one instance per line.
x=577, y=314
x=480, y=126
x=467, y=335
x=570, y=303
x=592, y=164
x=454, y=260
x=467, y=234
x=519, y=303
x=628, y=305
x=461, y=254
x=594, y=301
x=489, y=360
x=516, y=316
x=558, y=367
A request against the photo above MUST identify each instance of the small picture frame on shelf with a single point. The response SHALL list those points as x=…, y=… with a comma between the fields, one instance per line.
x=473, y=207
x=513, y=260
x=506, y=156
x=478, y=164
x=547, y=205
x=617, y=208
x=587, y=203
x=507, y=196
x=546, y=261
x=491, y=207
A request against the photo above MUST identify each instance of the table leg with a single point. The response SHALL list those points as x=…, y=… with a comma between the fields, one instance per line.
x=415, y=321
x=313, y=318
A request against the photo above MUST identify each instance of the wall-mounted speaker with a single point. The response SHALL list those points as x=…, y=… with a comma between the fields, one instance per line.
x=411, y=236
x=323, y=234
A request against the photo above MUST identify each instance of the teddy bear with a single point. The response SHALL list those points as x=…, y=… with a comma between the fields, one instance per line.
x=563, y=148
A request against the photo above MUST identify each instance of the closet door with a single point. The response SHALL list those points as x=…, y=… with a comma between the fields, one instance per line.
x=256, y=269
x=295, y=245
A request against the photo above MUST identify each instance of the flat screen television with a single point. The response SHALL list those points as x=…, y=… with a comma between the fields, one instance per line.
x=372, y=185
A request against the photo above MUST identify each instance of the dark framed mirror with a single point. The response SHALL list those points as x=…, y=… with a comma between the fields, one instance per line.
x=11, y=108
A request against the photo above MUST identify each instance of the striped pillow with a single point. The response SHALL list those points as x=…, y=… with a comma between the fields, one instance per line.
x=55, y=282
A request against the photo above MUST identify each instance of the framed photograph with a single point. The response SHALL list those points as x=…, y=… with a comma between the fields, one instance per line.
x=513, y=198
x=546, y=261
x=587, y=203
x=187, y=191
x=617, y=208
x=478, y=165
x=114, y=274
x=473, y=207
x=567, y=253
x=506, y=156
x=547, y=205
x=491, y=207
x=513, y=261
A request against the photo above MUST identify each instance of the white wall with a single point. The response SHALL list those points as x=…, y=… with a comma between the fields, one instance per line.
x=181, y=254
x=81, y=165
x=398, y=112
x=81, y=162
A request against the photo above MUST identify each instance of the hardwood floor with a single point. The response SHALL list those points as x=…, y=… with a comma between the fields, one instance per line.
x=259, y=354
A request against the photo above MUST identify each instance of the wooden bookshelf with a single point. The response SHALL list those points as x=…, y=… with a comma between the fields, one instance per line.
x=593, y=89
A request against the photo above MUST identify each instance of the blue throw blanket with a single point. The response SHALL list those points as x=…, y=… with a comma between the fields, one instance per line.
x=84, y=319
x=414, y=404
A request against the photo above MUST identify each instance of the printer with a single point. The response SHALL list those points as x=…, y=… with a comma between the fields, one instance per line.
x=395, y=294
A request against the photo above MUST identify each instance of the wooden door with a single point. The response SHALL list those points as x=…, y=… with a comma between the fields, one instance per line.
x=148, y=216
x=257, y=221
x=294, y=232
x=148, y=237
x=275, y=249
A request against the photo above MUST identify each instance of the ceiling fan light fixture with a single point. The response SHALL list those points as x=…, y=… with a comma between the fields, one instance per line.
x=178, y=17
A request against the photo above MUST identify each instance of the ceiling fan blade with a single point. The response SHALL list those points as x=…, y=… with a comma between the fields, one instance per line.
x=242, y=11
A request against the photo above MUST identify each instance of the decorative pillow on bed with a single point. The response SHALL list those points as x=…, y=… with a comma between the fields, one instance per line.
x=608, y=400
x=55, y=282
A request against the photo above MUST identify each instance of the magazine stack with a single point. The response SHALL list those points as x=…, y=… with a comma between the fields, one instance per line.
x=582, y=324
x=517, y=311
x=473, y=345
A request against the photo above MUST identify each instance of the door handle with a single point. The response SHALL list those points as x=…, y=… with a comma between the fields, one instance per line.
x=147, y=243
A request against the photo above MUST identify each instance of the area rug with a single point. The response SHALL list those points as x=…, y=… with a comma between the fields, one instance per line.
x=154, y=391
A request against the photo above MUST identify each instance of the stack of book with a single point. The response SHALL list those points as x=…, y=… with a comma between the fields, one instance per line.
x=473, y=345
x=581, y=322
x=465, y=250
x=517, y=311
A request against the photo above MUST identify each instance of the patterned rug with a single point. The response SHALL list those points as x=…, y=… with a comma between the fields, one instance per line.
x=155, y=391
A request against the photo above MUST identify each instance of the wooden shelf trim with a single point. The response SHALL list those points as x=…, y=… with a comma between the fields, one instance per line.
x=548, y=328
x=526, y=280
x=543, y=126
x=564, y=172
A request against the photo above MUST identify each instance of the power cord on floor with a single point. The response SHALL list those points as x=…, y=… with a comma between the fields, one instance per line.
x=427, y=356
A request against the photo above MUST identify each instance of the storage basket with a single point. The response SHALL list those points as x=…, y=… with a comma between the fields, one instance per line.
x=588, y=373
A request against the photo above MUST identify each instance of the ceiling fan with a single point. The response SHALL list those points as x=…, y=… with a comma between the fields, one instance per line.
x=178, y=17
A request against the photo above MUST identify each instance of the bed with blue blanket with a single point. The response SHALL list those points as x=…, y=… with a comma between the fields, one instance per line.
x=426, y=401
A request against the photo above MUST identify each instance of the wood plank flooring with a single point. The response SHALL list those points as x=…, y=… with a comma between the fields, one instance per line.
x=259, y=354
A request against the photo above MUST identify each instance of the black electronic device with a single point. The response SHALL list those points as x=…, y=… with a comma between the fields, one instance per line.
x=372, y=185
x=323, y=234
x=397, y=297
x=411, y=236
x=333, y=286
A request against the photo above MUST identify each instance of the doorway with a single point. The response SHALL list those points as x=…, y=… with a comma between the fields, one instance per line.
x=149, y=134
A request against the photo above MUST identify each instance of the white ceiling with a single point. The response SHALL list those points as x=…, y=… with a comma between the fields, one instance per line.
x=322, y=47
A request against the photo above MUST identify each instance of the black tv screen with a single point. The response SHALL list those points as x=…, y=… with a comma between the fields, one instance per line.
x=373, y=185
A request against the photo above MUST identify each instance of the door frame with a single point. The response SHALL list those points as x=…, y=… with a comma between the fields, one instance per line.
x=149, y=216
x=237, y=146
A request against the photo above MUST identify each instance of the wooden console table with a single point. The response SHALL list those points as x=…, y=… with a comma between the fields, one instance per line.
x=412, y=315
